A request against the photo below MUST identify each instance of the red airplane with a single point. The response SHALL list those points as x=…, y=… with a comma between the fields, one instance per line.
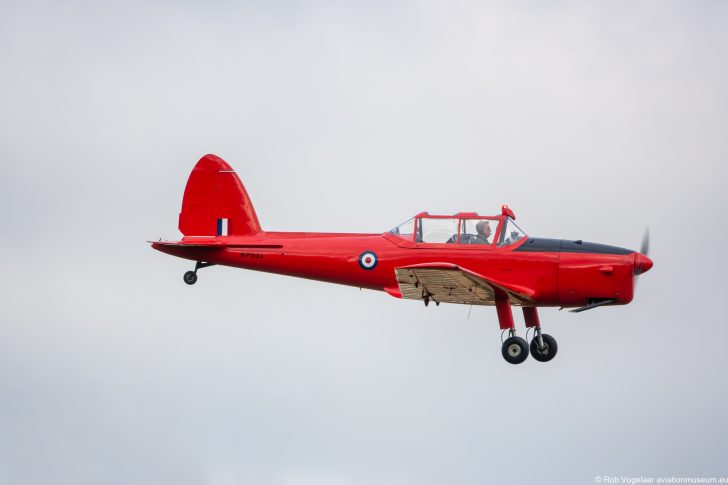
x=464, y=258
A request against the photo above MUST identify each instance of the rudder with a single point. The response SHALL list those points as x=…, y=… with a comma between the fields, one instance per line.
x=215, y=202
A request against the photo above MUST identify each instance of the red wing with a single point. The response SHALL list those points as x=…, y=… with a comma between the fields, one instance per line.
x=450, y=283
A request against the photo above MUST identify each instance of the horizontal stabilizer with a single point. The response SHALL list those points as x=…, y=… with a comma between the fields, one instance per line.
x=200, y=244
x=214, y=243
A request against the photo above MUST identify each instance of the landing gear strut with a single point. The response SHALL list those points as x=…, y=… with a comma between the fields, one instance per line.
x=543, y=346
x=190, y=277
x=515, y=349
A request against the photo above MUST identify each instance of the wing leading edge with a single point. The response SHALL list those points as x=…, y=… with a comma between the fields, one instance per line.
x=449, y=283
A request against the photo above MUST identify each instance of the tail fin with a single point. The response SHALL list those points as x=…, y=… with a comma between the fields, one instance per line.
x=215, y=202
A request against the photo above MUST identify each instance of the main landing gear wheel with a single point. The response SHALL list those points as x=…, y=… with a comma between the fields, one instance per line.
x=190, y=277
x=546, y=352
x=514, y=350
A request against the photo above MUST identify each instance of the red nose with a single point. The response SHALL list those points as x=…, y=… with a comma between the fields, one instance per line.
x=642, y=263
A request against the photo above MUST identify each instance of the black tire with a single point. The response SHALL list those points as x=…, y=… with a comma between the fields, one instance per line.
x=190, y=277
x=549, y=350
x=514, y=350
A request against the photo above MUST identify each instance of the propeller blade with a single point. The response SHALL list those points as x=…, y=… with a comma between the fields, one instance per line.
x=645, y=248
x=642, y=262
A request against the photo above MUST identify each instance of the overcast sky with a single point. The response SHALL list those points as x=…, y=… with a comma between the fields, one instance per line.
x=592, y=120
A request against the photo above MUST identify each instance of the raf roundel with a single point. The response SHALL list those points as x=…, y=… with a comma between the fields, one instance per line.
x=368, y=260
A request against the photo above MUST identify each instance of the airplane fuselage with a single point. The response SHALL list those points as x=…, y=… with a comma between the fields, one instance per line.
x=560, y=273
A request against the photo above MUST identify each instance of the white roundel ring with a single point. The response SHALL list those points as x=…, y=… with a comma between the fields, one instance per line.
x=368, y=260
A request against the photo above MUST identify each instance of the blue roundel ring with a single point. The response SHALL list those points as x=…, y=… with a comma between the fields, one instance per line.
x=368, y=260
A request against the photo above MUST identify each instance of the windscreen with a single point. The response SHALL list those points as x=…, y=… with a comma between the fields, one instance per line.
x=510, y=234
x=406, y=230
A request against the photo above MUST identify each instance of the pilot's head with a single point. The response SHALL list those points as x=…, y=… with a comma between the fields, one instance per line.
x=483, y=228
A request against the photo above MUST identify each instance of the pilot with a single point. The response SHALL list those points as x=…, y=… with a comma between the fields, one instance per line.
x=483, y=230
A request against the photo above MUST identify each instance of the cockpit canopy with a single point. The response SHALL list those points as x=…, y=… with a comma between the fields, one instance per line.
x=461, y=228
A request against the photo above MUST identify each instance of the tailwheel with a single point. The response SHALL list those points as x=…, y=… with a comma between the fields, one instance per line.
x=514, y=350
x=543, y=347
x=190, y=277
